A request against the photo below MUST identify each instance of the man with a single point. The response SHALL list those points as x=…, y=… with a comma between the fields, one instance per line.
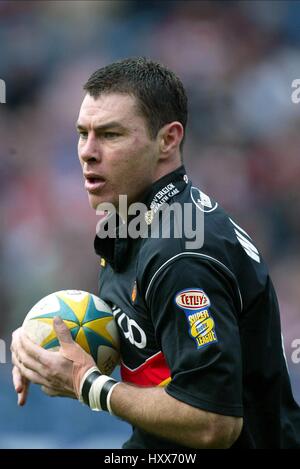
x=202, y=359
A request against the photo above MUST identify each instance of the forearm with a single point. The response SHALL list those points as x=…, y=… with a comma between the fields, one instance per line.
x=156, y=412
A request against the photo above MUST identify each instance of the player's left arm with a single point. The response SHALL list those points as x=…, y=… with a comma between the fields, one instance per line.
x=156, y=412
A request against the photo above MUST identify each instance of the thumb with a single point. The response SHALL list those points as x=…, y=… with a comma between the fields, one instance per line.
x=62, y=332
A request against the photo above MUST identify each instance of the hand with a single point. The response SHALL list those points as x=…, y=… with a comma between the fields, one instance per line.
x=59, y=373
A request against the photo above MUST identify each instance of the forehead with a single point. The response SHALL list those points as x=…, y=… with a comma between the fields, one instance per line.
x=108, y=107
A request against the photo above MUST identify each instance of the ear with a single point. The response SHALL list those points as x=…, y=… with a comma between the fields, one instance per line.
x=170, y=136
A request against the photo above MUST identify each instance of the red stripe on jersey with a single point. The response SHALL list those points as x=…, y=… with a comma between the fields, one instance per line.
x=151, y=373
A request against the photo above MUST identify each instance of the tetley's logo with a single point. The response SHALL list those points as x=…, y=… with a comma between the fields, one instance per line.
x=201, y=326
x=192, y=299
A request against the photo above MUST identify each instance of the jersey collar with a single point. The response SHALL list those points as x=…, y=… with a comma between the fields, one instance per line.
x=165, y=188
x=114, y=249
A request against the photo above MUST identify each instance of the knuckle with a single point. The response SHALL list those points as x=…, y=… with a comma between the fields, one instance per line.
x=45, y=362
x=13, y=345
x=49, y=369
x=21, y=357
x=13, y=359
x=24, y=371
x=47, y=373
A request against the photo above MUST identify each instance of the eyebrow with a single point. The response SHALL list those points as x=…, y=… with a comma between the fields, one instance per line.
x=101, y=127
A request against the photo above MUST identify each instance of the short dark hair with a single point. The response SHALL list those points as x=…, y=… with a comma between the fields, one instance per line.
x=159, y=92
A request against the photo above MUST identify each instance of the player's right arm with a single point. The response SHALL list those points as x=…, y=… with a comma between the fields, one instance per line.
x=151, y=409
x=196, y=321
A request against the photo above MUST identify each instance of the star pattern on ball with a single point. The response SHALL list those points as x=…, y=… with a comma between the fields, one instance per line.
x=86, y=324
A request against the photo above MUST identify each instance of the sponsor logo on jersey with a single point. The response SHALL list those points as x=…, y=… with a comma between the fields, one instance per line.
x=202, y=328
x=192, y=299
x=130, y=328
x=202, y=201
x=201, y=325
x=163, y=196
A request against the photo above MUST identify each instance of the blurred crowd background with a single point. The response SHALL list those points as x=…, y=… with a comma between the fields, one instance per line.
x=237, y=61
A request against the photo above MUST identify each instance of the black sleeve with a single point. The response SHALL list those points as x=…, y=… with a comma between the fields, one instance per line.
x=193, y=309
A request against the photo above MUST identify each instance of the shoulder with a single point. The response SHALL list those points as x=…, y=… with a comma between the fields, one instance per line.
x=192, y=224
x=200, y=230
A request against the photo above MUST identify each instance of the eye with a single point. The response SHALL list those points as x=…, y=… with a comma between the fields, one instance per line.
x=110, y=135
x=82, y=135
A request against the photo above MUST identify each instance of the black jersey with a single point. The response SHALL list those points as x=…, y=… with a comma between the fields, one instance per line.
x=203, y=322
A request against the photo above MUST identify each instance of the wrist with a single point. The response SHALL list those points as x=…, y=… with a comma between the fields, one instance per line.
x=96, y=390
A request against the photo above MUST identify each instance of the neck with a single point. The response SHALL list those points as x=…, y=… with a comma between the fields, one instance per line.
x=165, y=168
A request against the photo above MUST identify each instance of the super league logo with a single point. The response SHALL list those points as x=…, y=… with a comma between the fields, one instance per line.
x=2, y=92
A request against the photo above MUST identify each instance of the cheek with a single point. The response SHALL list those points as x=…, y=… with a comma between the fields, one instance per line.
x=136, y=177
x=132, y=167
x=141, y=157
x=79, y=153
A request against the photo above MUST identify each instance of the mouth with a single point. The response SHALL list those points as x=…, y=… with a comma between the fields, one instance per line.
x=93, y=182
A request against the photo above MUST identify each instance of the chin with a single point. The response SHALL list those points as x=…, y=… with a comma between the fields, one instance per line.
x=96, y=200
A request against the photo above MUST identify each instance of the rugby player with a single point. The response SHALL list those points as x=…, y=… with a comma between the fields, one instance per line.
x=202, y=358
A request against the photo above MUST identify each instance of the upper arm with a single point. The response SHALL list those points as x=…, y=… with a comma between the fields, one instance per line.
x=200, y=341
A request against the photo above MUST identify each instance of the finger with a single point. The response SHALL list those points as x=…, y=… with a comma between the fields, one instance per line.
x=22, y=357
x=31, y=349
x=28, y=374
x=22, y=396
x=21, y=385
x=15, y=333
x=15, y=361
x=18, y=380
x=15, y=339
x=62, y=332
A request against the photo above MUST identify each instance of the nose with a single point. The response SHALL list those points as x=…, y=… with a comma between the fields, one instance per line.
x=89, y=150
